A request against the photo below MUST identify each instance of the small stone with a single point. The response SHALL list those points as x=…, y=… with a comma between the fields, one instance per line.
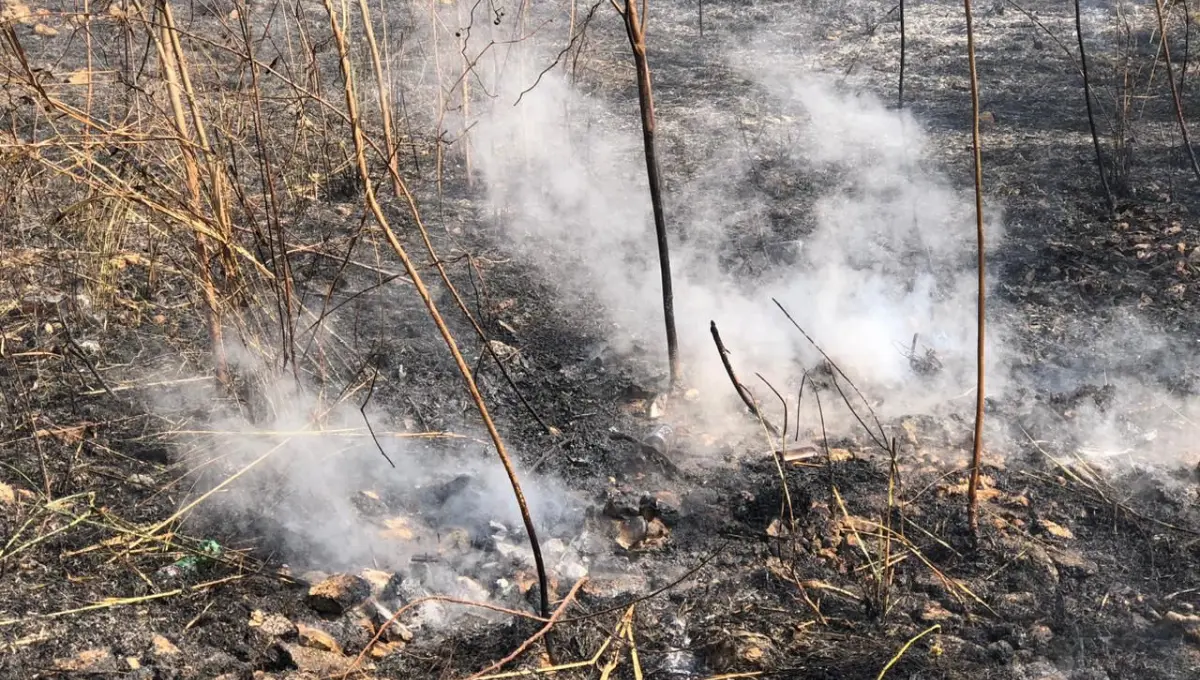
x=161, y=647
x=338, y=593
x=317, y=639
x=98, y=660
x=44, y=31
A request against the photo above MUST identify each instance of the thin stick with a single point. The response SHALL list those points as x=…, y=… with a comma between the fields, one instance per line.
x=423, y=600
x=903, y=45
x=363, y=410
x=977, y=446
x=401, y=190
x=364, y=173
x=562, y=607
x=825, y=444
x=1087, y=97
x=784, y=404
x=635, y=29
x=110, y=602
x=910, y=643
x=741, y=390
x=1183, y=130
x=835, y=367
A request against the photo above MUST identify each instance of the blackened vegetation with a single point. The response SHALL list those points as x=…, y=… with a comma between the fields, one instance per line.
x=744, y=589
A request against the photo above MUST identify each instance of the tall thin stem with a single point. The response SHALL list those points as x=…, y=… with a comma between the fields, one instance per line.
x=903, y=51
x=635, y=28
x=373, y=205
x=977, y=447
x=1087, y=97
x=1183, y=130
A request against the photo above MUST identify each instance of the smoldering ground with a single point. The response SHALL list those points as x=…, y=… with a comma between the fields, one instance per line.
x=853, y=227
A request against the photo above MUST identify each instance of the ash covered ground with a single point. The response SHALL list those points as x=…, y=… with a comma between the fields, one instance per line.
x=790, y=174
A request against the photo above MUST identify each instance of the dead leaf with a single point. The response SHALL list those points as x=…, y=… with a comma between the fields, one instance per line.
x=14, y=10
x=316, y=638
x=840, y=455
x=397, y=529
x=1055, y=529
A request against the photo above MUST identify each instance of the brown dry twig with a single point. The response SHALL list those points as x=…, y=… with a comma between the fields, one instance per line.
x=741, y=389
x=562, y=607
x=376, y=210
x=977, y=446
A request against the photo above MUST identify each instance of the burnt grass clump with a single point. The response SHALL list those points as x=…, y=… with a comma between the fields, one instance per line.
x=714, y=558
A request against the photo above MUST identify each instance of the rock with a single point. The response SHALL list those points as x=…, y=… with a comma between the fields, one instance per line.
x=338, y=593
x=275, y=625
x=97, y=660
x=317, y=639
x=162, y=648
x=8, y=497
x=316, y=661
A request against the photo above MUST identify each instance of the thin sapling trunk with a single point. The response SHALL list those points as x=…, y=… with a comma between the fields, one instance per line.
x=635, y=27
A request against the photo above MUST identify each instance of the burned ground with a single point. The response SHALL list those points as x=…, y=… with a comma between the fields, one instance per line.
x=726, y=561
